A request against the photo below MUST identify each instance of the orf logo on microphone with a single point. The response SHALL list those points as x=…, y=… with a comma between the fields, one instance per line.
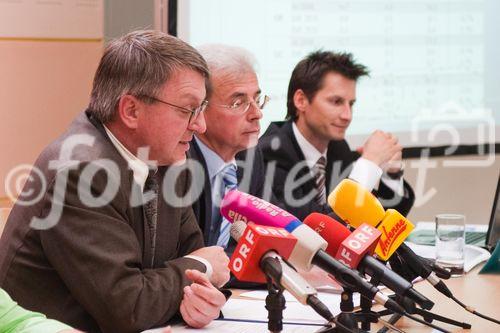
x=361, y=242
x=253, y=244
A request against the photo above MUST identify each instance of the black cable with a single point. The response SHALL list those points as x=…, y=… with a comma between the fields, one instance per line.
x=447, y=292
x=471, y=310
x=441, y=287
x=342, y=326
x=421, y=321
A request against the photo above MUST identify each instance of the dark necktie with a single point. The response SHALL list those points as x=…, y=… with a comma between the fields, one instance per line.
x=319, y=170
x=150, y=207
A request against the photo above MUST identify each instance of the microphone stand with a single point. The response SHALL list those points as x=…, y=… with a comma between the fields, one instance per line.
x=275, y=301
x=347, y=320
x=366, y=315
x=275, y=304
x=347, y=317
x=350, y=318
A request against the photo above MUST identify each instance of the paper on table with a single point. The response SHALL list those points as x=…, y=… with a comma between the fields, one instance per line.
x=429, y=225
x=255, y=310
x=331, y=300
x=474, y=255
x=222, y=326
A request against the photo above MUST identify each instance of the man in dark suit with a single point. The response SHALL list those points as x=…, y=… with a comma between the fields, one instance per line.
x=226, y=150
x=108, y=244
x=308, y=154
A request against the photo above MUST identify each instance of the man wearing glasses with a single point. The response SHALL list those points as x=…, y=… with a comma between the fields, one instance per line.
x=226, y=149
x=105, y=249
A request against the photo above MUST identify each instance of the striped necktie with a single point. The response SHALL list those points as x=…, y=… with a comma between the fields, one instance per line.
x=319, y=170
x=150, y=210
x=229, y=182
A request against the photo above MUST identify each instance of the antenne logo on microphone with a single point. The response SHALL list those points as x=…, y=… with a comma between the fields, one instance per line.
x=395, y=229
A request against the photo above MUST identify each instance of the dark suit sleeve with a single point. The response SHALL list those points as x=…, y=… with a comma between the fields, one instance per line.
x=191, y=238
x=99, y=259
x=391, y=199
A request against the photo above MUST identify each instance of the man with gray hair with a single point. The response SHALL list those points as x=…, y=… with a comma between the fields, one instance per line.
x=111, y=246
x=226, y=149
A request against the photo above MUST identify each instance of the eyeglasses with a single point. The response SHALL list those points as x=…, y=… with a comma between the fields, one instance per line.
x=242, y=105
x=193, y=113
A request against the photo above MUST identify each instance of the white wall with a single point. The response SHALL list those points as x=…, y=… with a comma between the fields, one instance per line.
x=43, y=85
x=464, y=190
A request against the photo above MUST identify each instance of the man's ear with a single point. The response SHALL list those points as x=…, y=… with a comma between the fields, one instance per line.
x=128, y=110
x=300, y=100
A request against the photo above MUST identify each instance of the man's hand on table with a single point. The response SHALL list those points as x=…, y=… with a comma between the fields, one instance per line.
x=202, y=302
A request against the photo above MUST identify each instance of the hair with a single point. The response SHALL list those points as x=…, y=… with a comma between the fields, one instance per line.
x=139, y=64
x=309, y=73
x=227, y=60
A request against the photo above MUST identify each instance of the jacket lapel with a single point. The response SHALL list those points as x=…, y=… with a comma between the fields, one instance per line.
x=203, y=205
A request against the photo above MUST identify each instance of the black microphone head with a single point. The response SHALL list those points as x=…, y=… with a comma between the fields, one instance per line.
x=394, y=306
x=441, y=272
x=420, y=299
x=399, y=266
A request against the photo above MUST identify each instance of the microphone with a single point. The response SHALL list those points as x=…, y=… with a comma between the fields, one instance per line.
x=319, y=222
x=355, y=249
x=309, y=249
x=257, y=254
x=253, y=243
x=240, y=206
x=354, y=204
x=395, y=229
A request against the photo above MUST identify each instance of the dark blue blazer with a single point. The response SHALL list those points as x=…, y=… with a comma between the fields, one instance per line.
x=279, y=145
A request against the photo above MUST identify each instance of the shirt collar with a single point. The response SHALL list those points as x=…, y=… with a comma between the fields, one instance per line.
x=139, y=168
x=214, y=162
x=310, y=152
